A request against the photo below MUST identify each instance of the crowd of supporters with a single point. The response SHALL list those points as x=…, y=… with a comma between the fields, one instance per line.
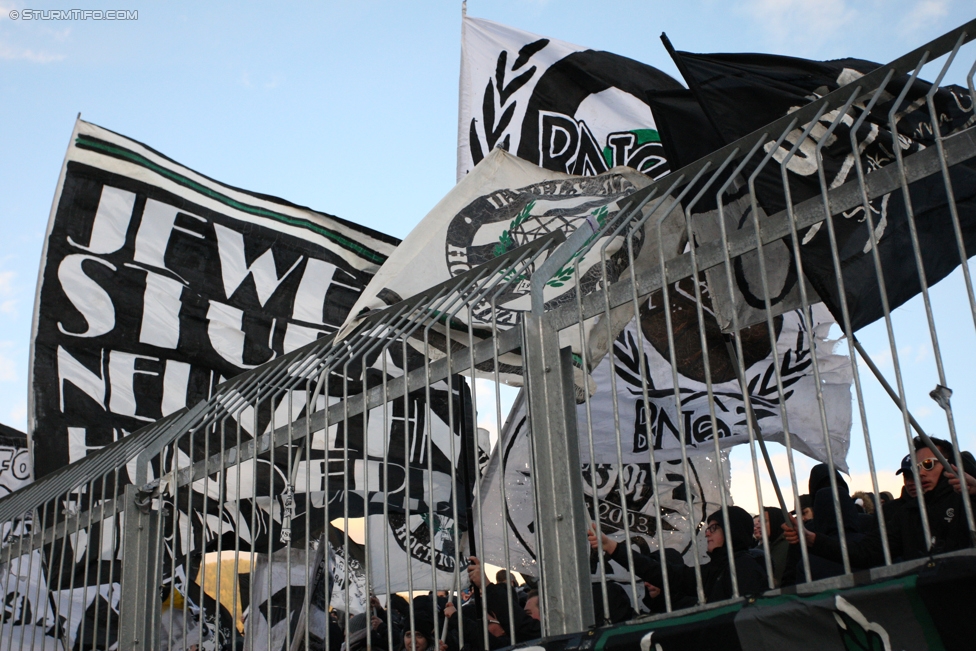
x=736, y=551
x=493, y=615
x=859, y=529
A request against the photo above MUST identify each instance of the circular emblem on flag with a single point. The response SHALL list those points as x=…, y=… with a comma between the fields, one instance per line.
x=678, y=525
x=437, y=549
x=687, y=338
x=499, y=222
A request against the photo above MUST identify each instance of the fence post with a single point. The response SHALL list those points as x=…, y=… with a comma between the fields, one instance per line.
x=140, y=608
x=560, y=512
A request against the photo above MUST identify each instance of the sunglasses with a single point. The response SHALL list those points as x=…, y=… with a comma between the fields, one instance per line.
x=927, y=464
x=712, y=528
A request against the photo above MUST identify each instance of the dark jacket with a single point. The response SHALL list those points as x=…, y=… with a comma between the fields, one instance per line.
x=716, y=575
x=906, y=540
x=496, y=601
x=824, y=524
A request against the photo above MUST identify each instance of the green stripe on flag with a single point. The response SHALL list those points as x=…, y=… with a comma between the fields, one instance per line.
x=94, y=144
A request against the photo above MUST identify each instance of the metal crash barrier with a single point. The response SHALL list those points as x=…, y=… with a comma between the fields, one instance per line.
x=266, y=516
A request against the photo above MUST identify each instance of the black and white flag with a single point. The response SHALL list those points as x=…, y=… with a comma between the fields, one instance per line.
x=504, y=203
x=27, y=617
x=156, y=284
x=510, y=522
x=739, y=93
x=643, y=345
x=657, y=423
x=561, y=106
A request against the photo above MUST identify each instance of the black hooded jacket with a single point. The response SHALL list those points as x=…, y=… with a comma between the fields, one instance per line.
x=823, y=563
x=716, y=575
x=906, y=539
x=496, y=596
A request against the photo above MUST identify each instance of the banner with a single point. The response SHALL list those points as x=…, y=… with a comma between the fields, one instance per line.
x=504, y=203
x=27, y=619
x=343, y=559
x=560, y=106
x=644, y=344
x=656, y=423
x=510, y=522
x=281, y=584
x=157, y=283
x=740, y=93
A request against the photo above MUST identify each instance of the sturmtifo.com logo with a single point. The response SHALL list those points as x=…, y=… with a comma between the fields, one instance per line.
x=74, y=14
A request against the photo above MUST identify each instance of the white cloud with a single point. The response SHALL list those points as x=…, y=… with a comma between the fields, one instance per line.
x=6, y=282
x=9, y=307
x=803, y=25
x=13, y=53
x=15, y=29
x=923, y=353
x=882, y=358
x=924, y=14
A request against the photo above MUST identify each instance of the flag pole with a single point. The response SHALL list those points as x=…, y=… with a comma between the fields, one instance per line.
x=759, y=437
x=692, y=85
x=898, y=403
x=298, y=640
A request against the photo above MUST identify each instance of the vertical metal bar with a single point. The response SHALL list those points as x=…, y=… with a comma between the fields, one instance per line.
x=964, y=263
x=139, y=572
x=44, y=508
x=926, y=530
x=561, y=525
x=950, y=196
x=845, y=312
x=665, y=586
x=736, y=355
x=675, y=383
x=621, y=487
x=594, y=490
x=807, y=321
x=221, y=499
x=780, y=392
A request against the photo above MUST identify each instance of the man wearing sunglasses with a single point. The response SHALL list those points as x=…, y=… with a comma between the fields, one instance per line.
x=948, y=527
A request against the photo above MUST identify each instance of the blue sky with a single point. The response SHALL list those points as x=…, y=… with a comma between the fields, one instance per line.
x=349, y=108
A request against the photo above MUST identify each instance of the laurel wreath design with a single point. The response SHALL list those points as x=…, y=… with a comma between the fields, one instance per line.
x=566, y=271
x=506, y=110
x=505, y=241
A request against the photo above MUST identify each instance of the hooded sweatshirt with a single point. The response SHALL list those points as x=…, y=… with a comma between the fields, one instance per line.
x=716, y=574
x=903, y=521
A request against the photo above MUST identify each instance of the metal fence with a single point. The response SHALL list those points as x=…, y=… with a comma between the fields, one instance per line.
x=378, y=429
